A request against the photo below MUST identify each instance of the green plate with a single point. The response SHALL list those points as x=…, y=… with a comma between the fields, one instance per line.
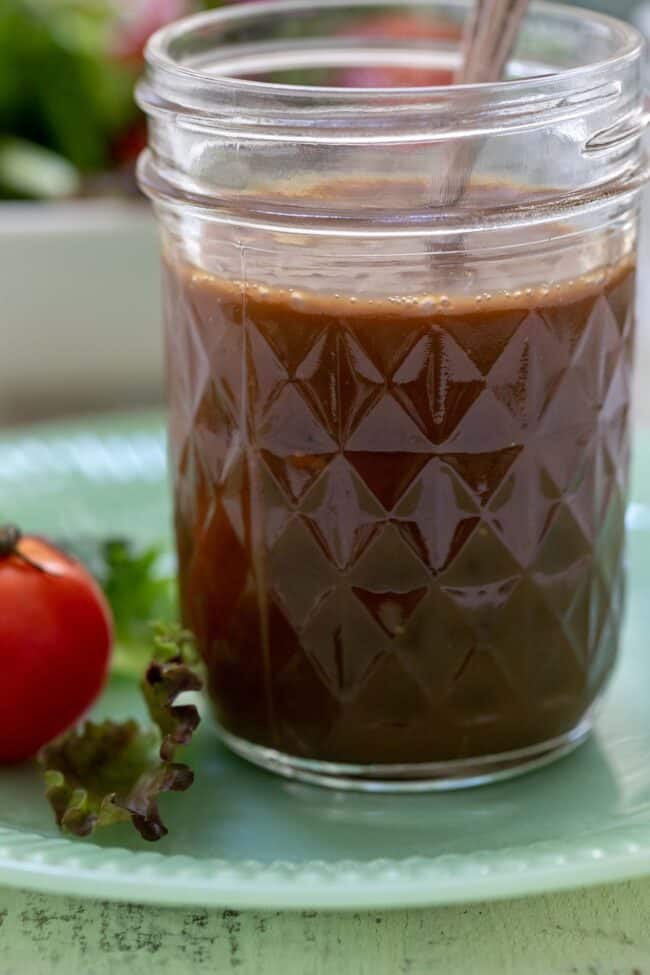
x=243, y=838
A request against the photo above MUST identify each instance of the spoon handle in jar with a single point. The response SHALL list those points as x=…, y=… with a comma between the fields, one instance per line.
x=489, y=37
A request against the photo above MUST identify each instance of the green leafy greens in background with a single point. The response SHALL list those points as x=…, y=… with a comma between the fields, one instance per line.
x=67, y=113
x=59, y=91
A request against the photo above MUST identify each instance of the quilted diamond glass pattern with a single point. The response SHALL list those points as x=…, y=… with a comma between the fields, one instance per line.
x=400, y=535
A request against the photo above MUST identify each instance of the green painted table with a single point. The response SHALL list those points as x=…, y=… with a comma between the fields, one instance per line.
x=603, y=931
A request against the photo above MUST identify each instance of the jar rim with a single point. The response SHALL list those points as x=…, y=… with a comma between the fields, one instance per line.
x=628, y=40
x=264, y=151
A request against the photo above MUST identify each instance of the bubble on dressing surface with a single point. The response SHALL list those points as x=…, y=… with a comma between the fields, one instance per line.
x=601, y=276
x=426, y=304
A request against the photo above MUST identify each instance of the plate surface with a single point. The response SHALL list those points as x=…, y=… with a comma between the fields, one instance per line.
x=243, y=838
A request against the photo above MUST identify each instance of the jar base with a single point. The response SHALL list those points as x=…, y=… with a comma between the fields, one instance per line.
x=421, y=777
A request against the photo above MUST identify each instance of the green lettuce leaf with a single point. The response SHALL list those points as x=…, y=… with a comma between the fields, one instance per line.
x=167, y=677
x=138, y=592
x=112, y=772
x=139, y=588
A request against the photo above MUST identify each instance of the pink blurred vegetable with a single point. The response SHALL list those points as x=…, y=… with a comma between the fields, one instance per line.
x=402, y=27
x=140, y=19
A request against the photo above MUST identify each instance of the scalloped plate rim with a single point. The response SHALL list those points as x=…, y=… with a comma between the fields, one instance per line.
x=316, y=884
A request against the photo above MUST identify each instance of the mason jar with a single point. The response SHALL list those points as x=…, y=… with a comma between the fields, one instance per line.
x=399, y=331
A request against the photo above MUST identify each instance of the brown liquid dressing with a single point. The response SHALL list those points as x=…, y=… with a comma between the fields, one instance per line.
x=400, y=523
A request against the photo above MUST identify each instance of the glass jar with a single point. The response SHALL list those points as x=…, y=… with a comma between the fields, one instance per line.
x=400, y=328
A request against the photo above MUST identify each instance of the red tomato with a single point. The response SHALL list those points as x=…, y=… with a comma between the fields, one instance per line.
x=55, y=642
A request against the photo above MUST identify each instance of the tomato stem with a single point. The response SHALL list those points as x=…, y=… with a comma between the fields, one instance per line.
x=10, y=536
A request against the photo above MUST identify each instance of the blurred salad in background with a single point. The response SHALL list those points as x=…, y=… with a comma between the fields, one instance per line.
x=68, y=122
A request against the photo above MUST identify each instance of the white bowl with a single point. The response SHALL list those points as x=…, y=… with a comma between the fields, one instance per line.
x=80, y=308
